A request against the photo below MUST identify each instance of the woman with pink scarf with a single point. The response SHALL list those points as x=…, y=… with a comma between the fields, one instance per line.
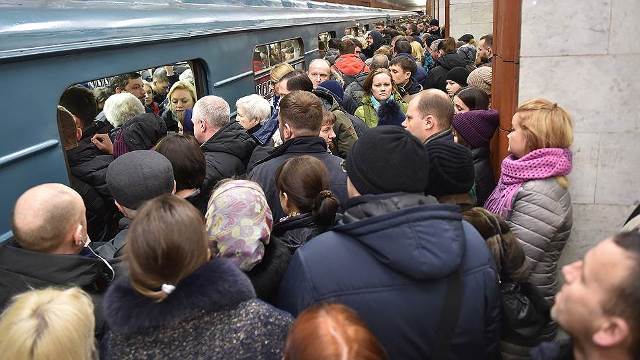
x=532, y=194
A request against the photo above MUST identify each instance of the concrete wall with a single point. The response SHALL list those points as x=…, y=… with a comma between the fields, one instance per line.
x=587, y=58
x=470, y=17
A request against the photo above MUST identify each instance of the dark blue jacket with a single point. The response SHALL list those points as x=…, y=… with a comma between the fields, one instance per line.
x=264, y=172
x=389, y=260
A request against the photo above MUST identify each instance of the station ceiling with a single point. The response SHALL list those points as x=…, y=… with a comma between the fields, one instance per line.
x=411, y=4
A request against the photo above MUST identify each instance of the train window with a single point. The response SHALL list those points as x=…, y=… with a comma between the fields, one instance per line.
x=266, y=56
x=351, y=31
x=150, y=85
x=323, y=41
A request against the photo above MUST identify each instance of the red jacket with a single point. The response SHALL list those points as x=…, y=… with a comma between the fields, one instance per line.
x=351, y=64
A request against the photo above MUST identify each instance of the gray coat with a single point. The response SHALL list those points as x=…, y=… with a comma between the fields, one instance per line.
x=541, y=219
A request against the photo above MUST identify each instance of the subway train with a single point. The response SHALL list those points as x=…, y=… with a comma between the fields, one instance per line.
x=46, y=47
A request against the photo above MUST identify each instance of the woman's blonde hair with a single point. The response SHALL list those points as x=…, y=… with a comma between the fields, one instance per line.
x=48, y=324
x=182, y=85
x=417, y=51
x=545, y=124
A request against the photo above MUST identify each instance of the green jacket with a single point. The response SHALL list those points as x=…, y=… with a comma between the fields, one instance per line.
x=368, y=114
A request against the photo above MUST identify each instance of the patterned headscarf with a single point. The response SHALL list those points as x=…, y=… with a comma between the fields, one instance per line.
x=239, y=222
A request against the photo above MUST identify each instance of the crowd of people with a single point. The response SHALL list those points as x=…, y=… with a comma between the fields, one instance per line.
x=353, y=215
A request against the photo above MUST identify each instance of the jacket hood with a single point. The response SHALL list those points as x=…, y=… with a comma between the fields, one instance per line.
x=86, y=271
x=378, y=40
x=449, y=61
x=231, y=139
x=215, y=286
x=409, y=233
x=328, y=100
x=351, y=65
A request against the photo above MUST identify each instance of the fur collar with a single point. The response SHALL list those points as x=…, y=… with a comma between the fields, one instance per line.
x=215, y=286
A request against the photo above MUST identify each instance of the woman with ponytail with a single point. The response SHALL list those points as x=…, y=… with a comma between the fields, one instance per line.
x=532, y=194
x=303, y=185
x=178, y=303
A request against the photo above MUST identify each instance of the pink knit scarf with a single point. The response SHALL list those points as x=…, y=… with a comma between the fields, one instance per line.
x=538, y=164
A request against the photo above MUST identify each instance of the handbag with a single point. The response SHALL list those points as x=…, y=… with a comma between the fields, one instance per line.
x=525, y=313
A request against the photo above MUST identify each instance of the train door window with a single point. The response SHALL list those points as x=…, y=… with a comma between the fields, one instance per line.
x=323, y=42
x=96, y=124
x=168, y=91
x=266, y=56
x=351, y=31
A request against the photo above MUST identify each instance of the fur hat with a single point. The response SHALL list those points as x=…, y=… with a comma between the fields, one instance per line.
x=388, y=159
x=239, y=222
x=481, y=78
x=390, y=113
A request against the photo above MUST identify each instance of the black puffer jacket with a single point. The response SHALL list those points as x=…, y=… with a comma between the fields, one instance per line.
x=89, y=164
x=22, y=270
x=227, y=154
x=437, y=77
x=485, y=181
x=295, y=231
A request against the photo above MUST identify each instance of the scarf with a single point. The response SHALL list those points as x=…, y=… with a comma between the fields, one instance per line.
x=375, y=103
x=536, y=165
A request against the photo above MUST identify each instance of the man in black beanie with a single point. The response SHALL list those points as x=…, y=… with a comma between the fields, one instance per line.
x=451, y=173
x=418, y=276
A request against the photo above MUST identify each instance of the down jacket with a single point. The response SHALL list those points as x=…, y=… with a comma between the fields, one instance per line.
x=389, y=260
x=542, y=220
x=437, y=78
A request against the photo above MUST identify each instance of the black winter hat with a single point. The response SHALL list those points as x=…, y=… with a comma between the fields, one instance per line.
x=459, y=75
x=466, y=38
x=451, y=168
x=388, y=159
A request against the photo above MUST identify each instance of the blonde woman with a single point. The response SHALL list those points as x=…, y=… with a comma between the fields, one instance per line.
x=182, y=96
x=532, y=194
x=417, y=51
x=48, y=324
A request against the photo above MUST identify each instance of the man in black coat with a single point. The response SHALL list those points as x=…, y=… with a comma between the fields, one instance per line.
x=50, y=248
x=226, y=145
x=299, y=126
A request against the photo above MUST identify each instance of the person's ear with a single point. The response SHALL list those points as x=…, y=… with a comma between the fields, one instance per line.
x=78, y=236
x=288, y=132
x=428, y=122
x=284, y=201
x=612, y=332
x=174, y=187
x=78, y=133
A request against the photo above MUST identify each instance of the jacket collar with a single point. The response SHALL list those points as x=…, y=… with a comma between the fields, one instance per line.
x=82, y=270
x=442, y=135
x=215, y=286
x=299, y=145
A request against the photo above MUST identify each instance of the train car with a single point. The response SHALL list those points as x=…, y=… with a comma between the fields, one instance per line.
x=45, y=47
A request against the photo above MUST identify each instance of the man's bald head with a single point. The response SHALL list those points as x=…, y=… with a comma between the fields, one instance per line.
x=319, y=71
x=437, y=103
x=46, y=217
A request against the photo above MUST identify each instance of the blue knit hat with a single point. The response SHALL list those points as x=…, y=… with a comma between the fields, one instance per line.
x=334, y=87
